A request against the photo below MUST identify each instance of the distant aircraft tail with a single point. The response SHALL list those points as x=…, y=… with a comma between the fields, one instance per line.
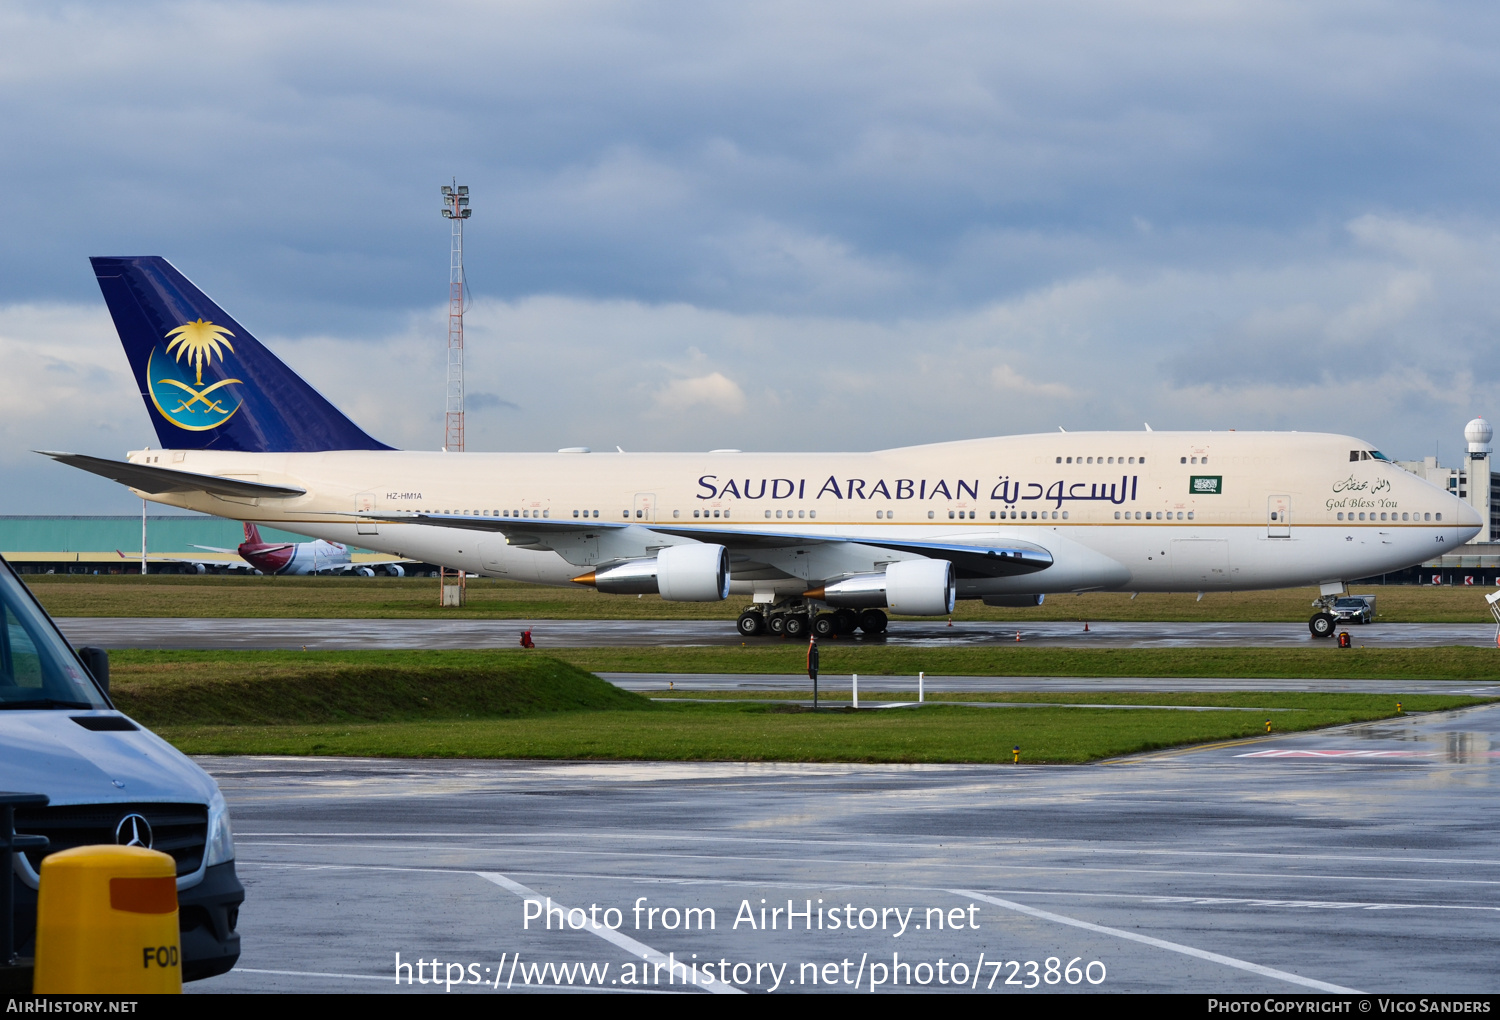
x=252, y=534
x=207, y=382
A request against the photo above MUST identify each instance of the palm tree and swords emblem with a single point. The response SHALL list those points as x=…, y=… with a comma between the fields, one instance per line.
x=197, y=343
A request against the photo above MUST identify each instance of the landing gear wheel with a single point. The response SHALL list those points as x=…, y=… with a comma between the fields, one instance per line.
x=777, y=624
x=847, y=621
x=751, y=623
x=825, y=625
x=872, y=621
x=796, y=625
x=1322, y=624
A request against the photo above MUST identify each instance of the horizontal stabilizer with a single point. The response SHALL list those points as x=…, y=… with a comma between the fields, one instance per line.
x=158, y=480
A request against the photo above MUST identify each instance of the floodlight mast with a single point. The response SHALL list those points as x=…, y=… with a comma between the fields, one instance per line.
x=455, y=208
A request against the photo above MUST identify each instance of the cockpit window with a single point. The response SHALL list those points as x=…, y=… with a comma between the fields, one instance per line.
x=1368, y=455
x=37, y=668
x=1379, y=456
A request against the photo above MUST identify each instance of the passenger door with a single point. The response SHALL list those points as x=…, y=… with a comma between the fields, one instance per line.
x=364, y=502
x=645, y=507
x=1279, y=517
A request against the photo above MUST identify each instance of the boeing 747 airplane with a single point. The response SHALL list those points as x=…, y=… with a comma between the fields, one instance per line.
x=296, y=558
x=821, y=541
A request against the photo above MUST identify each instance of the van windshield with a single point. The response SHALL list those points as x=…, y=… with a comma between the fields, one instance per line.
x=37, y=668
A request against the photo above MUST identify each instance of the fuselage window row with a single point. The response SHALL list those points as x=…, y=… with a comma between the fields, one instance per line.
x=1104, y=460
x=1394, y=517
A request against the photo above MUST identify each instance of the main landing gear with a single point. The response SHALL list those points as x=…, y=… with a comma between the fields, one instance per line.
x=793, y=618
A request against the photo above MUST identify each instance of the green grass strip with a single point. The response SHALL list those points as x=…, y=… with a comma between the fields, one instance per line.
x=697, y=732
x=512, y=704
x=1318, y=662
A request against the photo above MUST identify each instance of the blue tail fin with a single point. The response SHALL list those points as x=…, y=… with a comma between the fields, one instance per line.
x=208, y=384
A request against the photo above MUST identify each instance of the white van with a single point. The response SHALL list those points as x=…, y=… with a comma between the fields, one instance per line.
x=107, y=780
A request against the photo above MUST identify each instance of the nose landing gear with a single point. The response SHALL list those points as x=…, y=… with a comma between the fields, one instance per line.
x=1323, y=622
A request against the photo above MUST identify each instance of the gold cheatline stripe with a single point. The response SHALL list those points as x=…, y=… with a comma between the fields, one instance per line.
x=912, y=524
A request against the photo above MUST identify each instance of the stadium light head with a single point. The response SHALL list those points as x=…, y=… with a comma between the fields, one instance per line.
x=463, y=189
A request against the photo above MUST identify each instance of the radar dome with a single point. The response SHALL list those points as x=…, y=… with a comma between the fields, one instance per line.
x=1479, y=433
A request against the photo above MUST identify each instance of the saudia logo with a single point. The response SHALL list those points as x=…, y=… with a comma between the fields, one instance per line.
x=181, y=396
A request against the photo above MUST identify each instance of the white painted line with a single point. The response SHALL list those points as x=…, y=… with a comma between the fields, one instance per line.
x=1027, y=847
x=1175, y=947
x=866, y=862
x=387, y=980
x=625, y=942
x=760, y=883
x=311, y=973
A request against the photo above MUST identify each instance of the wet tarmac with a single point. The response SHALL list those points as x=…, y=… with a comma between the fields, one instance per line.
x=1361, y=859
x=209, y=633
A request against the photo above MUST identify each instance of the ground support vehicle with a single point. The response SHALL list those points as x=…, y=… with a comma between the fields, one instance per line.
x=107, y=780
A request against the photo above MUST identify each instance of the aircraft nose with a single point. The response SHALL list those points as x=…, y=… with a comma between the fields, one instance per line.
x=1468, y=518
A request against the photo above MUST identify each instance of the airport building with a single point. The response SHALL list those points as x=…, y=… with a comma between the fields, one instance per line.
x=1475, y=483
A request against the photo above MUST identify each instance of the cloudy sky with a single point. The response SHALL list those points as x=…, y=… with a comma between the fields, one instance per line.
x=766, y=225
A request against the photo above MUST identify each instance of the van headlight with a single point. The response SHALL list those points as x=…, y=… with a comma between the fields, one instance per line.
x=220, y=846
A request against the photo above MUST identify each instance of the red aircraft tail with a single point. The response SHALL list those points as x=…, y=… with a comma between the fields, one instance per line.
x=252, y=533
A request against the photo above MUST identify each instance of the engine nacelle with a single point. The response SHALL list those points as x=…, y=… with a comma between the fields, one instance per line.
x=920, y=587
x=913, y=587
x=679, y=573
x=365, y=572
x=693, y=573
x=395, y=570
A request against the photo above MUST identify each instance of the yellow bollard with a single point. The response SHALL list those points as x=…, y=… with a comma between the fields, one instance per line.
x=106, y=922
x=1017, y=752
x=1268, y=726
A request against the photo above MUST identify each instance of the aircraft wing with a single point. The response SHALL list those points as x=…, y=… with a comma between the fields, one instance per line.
x=152, y=479
x=236, y=552
x=996, y=558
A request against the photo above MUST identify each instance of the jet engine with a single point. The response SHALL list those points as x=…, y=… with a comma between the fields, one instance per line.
x=913, y=587
x=679, y=573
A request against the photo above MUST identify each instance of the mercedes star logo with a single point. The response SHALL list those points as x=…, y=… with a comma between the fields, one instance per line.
x=133, y=830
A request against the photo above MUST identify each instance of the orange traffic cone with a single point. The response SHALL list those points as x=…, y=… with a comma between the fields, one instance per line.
x=1085, y=626
x=1018, y=635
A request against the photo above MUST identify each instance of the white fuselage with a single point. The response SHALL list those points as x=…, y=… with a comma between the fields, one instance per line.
x=1118, y=511
x=319, y=555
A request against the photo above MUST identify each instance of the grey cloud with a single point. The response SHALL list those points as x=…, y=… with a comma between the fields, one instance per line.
x=637, y=152
x=485, y=401
x=879, y=225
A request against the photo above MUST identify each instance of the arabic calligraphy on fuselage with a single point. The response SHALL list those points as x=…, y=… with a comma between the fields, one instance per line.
x=1351, y=484
x=1005, y=490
